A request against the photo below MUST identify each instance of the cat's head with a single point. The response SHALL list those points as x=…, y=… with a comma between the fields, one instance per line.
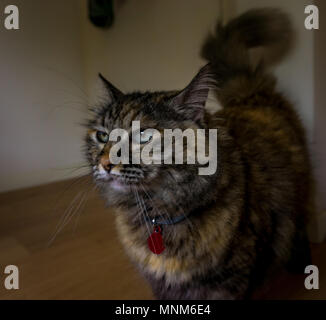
x=158, y=110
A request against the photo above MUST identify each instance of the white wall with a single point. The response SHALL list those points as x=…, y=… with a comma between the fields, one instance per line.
x=41, y=72
x=153, y=45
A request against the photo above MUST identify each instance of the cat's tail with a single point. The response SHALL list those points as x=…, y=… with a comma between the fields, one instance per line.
x=240, y=51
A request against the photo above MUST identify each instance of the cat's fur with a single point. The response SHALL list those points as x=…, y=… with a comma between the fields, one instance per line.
x=248, y=219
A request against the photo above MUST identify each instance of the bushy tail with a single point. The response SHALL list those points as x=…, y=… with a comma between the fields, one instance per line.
x=240, y=51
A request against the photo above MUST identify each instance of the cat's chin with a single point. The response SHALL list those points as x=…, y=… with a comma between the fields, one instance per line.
x=119, y=186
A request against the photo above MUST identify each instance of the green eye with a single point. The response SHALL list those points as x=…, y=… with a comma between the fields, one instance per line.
x=102, y=136
x=145, y=136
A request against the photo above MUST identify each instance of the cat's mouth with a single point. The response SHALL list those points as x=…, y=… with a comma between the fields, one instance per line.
x=122, y=180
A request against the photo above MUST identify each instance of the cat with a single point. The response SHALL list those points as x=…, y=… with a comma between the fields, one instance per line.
x=221, y=235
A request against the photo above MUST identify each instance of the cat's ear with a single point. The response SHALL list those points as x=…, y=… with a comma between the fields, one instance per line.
x=191, y=101
x=113, y=93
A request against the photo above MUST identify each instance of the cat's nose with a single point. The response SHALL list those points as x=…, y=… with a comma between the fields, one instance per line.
x=105, y=162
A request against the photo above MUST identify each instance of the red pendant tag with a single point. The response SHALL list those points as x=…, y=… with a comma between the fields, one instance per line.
x=155, y=241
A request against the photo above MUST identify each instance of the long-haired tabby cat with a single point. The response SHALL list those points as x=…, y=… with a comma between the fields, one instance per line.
x=225, y=233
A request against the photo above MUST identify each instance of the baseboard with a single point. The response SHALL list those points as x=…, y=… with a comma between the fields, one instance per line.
x=34, y=178
x=317, y=228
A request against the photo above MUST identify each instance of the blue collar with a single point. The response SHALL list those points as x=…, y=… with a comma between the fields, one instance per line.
x=167, y=222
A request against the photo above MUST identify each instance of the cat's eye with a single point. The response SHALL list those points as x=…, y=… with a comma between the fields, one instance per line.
x=145, y=136
x=102, y=137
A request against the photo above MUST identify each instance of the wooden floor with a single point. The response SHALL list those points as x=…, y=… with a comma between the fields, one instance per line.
x=86, y=260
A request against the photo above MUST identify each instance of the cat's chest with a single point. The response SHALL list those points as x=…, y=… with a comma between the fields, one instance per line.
x=172, y=268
